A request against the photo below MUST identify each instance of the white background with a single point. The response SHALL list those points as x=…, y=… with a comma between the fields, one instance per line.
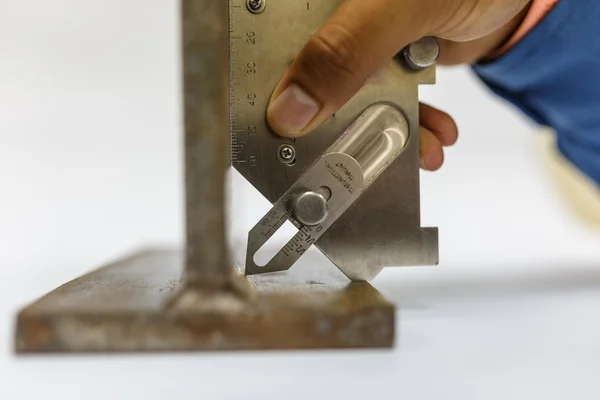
x=90, y=168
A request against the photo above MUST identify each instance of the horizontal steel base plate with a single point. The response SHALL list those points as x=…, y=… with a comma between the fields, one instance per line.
x=128, y=307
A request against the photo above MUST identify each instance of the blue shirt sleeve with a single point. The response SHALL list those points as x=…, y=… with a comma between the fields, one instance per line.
x=553, y=76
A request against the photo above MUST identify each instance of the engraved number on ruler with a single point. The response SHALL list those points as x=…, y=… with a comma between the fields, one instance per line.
x=245, y=70
x=251, y=37
x=242, y=96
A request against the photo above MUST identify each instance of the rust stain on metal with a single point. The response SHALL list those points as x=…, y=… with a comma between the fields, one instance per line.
x=124, y=307
x=205, y=49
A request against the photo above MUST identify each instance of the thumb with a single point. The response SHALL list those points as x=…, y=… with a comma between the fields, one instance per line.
x=337, y=60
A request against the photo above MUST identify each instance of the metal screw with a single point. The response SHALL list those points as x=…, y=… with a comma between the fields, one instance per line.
x=422, y=54
x=256, y=6
x=286, y=154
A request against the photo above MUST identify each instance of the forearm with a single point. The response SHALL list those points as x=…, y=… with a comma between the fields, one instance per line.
x=551, y=74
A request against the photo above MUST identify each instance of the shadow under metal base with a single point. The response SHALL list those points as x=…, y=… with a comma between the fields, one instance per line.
x=128, y=307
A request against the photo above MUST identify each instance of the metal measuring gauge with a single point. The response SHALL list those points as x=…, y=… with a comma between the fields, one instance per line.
x=351, y=188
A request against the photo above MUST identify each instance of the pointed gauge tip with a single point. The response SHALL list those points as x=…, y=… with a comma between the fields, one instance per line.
x=253, y=269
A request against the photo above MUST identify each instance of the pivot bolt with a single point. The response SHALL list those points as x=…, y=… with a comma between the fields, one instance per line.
x=310, y=208
x=422, y=54
x=255, y=6
x=286, y=154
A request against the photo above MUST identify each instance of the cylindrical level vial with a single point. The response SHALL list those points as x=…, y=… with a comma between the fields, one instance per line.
x=375, y=139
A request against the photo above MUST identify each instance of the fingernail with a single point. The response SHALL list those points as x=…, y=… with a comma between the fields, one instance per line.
x=293, y=110
x=423, y=166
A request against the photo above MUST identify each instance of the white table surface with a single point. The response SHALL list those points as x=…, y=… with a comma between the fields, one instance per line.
x=90, y=165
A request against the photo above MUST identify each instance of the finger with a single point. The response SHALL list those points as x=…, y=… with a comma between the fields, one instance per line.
x=431, y=150
x=439, y=123
x=357, y=40
x=472, y=51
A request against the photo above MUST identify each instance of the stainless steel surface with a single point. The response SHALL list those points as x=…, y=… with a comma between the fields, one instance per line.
x=310, y=208
x=205, y=43
x=422, y=53
x=342, y=175
x=383, y=228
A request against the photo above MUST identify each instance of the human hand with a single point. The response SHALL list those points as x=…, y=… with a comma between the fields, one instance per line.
x=362, y=35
